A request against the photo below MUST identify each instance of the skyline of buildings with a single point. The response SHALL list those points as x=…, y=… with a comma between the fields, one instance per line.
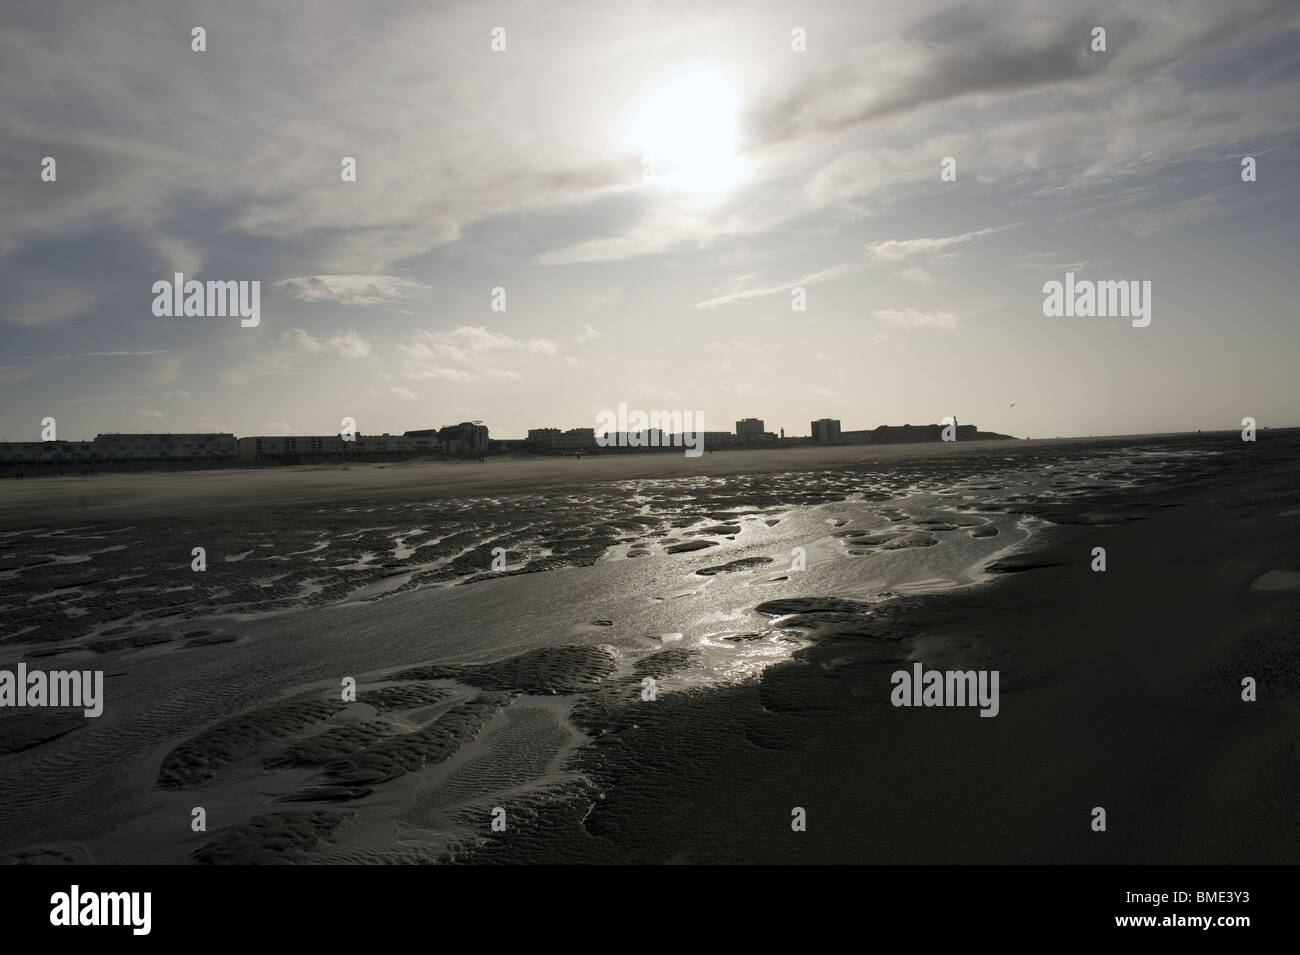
x=463, y=439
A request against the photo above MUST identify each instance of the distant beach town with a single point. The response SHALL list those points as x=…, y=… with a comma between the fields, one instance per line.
x=466, y=440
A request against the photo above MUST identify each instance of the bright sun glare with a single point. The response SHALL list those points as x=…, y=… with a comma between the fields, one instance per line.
x=686, y=132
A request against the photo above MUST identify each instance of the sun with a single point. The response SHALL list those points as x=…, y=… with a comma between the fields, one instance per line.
x=686, y=130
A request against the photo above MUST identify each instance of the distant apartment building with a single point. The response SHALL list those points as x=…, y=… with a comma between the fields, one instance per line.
x=553, y=439
x=46, y=452
x=333, y=445
x=161, y=447
x=289, y=446
x=110, y=448
x=752, y=431
x=406, y=443
x=468, y=437
x=544, y=437
x=826, y=431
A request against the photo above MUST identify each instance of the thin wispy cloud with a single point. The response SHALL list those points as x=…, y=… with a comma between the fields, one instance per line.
x=102, y=398
x=38, y=306
x=899, y=250
x=915, y=318
x=762, y=291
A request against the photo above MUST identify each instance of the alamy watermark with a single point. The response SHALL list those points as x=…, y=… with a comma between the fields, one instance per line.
x=195, y=299
x=75, y=907
x=923, y=687
x=73, y=688
x=657, y=429
x=1088, y=299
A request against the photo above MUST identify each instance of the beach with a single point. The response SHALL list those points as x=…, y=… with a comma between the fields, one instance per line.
x=502, y=713
x=220, y=490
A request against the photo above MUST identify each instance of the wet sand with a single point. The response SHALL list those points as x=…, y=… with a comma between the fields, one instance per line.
x=1120, y=690
x=59, y=500
x=523, y=691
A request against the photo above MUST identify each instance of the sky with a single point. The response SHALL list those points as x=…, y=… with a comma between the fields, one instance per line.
x=559, y=208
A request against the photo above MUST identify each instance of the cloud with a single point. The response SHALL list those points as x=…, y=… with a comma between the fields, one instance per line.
x=985, y=52
x=177, y=254
x=1054, y=262
x=296, y=336
x=406, y=394
x=1040, y=128
x=917, y=274
x=899, y=250
x=101, y=398
x=346, y=344
x=911, y=318
x=659, y=225
x=1181, y=213
x=436, y=373
x=76, y=82
x=440, y=374
x=434, y=355
x=35, y=307
x=355, y=290
x=760, y=291
x=587, y=334
x=349, y=345
x=260, y=363
x=149, y=413
x=123, y=354
x=477, y=339
x=158, y=370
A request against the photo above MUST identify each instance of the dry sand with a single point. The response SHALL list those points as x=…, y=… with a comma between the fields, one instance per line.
x=28, y=502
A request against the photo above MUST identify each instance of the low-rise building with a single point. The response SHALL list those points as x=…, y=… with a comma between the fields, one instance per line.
x=553, y=439
x=108, y=448
x=164, y=447
x=334, y=445
x=714, y=440
x=46, y=452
